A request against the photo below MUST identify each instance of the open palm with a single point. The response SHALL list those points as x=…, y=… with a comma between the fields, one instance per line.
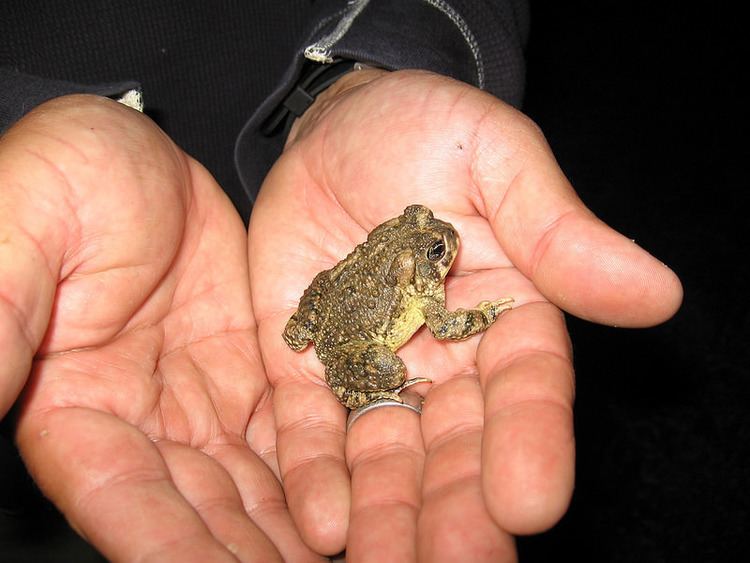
x=493, y=453
x=125, y=300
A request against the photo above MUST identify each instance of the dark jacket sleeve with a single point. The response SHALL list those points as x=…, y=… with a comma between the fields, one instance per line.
x=477, y=41
x=20, y=93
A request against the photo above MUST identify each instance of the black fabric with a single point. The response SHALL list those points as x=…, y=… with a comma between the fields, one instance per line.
x=20, y=92
x=313, y=82
x=205, y=67
x=644, y=107
x=401, y=34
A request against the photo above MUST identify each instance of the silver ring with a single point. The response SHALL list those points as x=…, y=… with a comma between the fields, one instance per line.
x=412, y=401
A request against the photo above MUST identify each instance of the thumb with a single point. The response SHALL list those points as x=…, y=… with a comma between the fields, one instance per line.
x=31, y=251
x=575, y=259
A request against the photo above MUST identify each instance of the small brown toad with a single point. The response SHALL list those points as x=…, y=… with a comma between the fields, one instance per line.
x=368, y=305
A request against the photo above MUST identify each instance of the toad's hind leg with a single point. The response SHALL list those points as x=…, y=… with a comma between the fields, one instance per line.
x=362, y=372
x=301, y=328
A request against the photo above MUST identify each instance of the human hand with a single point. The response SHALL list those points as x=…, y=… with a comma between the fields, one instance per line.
x=493, y=454
x=125, y=312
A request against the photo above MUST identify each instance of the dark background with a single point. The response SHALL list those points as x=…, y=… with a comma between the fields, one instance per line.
x=641, y=104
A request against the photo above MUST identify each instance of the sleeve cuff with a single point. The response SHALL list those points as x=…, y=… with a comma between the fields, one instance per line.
x=20, y=93
x=476, y=41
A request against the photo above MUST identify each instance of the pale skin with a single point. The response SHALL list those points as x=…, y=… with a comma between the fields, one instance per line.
x=161, y=400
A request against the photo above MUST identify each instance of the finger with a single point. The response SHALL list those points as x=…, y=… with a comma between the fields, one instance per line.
x=30, y=259
x=27, y=286
x=260, y=434
x=309, y=420
x=310, y=440
x=385, y=455
x=578, y=262
x=263, y=500
x=528, y=450
x=100, y=479
x=452, y=423
x=207, y=486
x=311, y=458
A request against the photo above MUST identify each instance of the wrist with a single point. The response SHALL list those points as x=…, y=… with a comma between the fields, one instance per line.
x=342, y=88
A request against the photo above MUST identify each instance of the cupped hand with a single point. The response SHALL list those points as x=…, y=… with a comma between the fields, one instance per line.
x=125, y=312
x=493, y=453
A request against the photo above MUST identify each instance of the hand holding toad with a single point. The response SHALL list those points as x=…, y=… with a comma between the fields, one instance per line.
x=125, y=312
x=493, y=453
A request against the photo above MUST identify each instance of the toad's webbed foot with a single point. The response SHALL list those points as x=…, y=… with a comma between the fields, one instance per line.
x=493, y=309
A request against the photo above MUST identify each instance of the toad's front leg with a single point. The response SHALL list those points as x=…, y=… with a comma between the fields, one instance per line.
x=462, y=323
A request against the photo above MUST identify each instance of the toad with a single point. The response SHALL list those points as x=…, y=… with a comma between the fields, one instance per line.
x=358, y=313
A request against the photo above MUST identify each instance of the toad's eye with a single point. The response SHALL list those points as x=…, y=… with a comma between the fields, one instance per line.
x=436, y=251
